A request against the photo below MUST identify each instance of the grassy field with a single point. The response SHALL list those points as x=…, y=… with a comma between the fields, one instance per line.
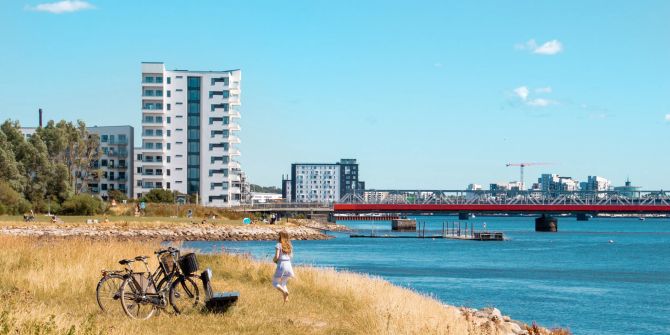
x=48, y=287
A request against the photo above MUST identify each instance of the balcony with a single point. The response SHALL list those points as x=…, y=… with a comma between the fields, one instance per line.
x=118, y=142
x=116, y=153
x=234, y=114
x=234, y=127
x=234, y=152
x=122, y=180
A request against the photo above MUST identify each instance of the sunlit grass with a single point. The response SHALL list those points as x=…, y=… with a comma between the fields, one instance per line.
x=48, y=287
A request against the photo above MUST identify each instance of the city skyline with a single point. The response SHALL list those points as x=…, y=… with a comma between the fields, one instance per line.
x=430, y=95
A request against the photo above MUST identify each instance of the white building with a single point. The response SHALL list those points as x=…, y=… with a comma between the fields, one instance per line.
x=596, y=183
x=115, y=162
x=189, y=134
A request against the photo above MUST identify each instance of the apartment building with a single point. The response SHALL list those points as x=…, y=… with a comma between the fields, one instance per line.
x=321, y=182
x=189, y=134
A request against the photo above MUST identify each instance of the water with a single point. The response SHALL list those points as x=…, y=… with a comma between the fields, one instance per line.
x=574, y=278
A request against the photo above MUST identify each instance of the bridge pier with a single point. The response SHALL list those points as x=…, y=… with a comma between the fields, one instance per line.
x=582, y=217
x=546, y=223
x=463, y=216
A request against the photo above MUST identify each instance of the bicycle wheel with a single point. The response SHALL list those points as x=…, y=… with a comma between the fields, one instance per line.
x=134, y=304
x=184, y=295
x=108, y=293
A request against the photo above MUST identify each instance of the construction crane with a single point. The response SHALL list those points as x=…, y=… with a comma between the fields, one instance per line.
x=521, y=166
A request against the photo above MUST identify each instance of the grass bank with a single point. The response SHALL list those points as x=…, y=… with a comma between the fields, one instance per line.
x=48, y=287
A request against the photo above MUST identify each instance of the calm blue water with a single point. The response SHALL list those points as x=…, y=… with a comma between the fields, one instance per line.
x=574, y=278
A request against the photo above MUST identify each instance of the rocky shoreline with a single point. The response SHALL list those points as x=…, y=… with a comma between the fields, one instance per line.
x=195, y=233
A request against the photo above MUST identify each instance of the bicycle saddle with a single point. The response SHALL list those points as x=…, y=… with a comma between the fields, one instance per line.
x=125, y=261
x=141, y=258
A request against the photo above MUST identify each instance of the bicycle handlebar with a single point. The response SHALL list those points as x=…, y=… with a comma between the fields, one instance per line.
x=162, y=251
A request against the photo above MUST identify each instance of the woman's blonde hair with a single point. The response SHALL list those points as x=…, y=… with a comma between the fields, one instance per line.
x=285, y=241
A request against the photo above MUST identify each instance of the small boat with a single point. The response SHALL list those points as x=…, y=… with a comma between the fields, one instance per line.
x=641, y=218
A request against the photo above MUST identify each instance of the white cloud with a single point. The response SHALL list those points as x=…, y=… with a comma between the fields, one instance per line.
x=60, y=7
x=667, y=117
x=547, y=48
x=539, y=102
x=522, y=92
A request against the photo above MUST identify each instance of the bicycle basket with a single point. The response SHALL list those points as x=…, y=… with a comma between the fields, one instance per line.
x=188, y=263
x=167, y=262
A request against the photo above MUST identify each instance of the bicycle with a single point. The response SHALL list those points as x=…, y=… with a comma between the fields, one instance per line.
x=141, y=296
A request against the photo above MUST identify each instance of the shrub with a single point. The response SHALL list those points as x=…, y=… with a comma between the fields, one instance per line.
x=159, y=195
x=82, y=204
x=12, y=201
x=116, y=195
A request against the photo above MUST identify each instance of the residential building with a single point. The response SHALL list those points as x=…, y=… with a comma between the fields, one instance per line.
x=595, y=184
x=189, y=134
x=322, y=182
x=115, y=162
x=555, y=183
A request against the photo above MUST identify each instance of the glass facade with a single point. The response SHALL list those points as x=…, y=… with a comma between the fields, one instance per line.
x=193, y=125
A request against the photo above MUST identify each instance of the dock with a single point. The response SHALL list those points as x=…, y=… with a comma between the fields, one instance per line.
x=451, y=231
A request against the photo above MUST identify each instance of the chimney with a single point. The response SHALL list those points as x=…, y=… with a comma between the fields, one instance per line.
x=40, y=117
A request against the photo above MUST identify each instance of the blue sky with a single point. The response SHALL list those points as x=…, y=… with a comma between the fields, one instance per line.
x=425, y=94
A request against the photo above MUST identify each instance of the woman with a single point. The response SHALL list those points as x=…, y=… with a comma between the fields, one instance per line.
x=284, y=271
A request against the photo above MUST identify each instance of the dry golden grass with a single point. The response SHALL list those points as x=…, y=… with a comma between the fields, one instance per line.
x=48, y=287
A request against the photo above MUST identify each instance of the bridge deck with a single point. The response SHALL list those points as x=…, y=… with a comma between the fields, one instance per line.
x=500, y=208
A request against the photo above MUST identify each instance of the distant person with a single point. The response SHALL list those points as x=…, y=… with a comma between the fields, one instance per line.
x=284, y=271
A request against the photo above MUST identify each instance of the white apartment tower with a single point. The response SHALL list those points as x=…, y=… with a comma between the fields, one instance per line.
x=189, y=134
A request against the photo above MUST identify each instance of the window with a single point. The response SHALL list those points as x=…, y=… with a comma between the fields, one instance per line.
x=168, y=185
x=168, y=160
x=168, y=172
x=179, y=90
x=139, y=169
x=168, y=132
x=180, y=77
x=168, y=146
x=103, y=162
x=169, y=107
x=168, y=93
x=103, y=187
x=139, y=157
x=168, y=80
x=148, y=79
x=169, y=119
x=104, y=138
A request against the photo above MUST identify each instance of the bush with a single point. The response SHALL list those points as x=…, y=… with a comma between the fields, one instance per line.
x=158, y=195
x=116, y=195
x=12, y=201
x=82, y=204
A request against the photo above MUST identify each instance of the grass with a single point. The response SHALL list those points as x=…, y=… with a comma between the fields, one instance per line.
x=48, y=287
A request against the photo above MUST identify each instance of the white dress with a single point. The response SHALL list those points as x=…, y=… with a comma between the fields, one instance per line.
x=284, y=268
